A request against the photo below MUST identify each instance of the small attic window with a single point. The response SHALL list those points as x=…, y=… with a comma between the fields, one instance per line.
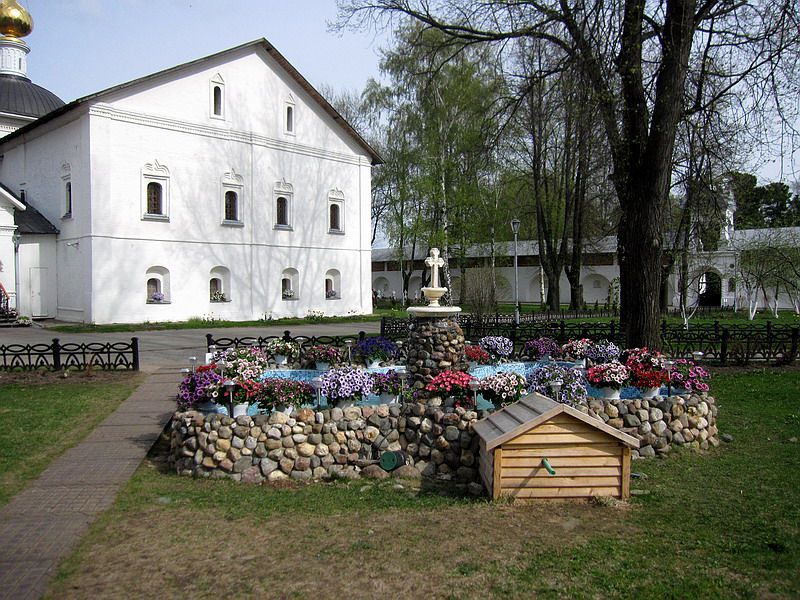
x=217, y=97
x=289, y=119
x=217, y=101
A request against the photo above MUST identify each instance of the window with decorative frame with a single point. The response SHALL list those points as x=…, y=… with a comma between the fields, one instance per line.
x=155, y=192
x=336, y=211
x=232, y=198
x=333, y=284
x=283, y=194
x=66, y=177
x=219, y=284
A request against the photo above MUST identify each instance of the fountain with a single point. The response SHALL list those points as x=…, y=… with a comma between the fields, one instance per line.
x=435, y=340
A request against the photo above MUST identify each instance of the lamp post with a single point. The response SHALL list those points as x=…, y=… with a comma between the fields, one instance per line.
x=229, y=386
x=556, y=387
x=669, y=364
x=349, y=344
x=474, y=385
x=515, y=223
x=193, y=363
x=316, y=383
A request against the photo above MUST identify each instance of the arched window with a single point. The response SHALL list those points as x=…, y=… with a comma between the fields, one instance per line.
x=333, y=284
x=68, y=199
x=157, y=284
x=219, y=284
x=231, y=206
x=154, y=199
x=282, y=210
x=290, y=119
x=334, y=218
x=289, y=279
x=217, y=101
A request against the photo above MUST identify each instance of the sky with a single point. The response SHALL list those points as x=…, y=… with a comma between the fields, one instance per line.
x=83, y=46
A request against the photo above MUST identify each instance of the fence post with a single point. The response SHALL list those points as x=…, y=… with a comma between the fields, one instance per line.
x=716, y=328
x=793, y=350
x=287, y=336
x=135, y=351
x=663, y=328
x=562, y=330
x=383, y=326
x=56, y=354
x=612, y=330
x=723, y=350
x=209, y=342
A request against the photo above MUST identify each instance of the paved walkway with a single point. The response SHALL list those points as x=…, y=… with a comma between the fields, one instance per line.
x=43, y=523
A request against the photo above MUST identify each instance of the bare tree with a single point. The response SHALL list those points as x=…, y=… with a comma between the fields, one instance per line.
x=636, y=56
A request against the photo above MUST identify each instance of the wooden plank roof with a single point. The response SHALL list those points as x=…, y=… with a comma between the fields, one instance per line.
x=529, y=412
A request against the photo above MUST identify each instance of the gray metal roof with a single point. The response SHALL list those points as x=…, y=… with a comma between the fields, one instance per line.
x=30, y=220
x=263, y=43
x=524, y=248
x=20, y=96
x=532, y=410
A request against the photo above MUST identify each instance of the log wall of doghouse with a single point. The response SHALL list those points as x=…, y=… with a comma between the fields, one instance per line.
x=538, y=448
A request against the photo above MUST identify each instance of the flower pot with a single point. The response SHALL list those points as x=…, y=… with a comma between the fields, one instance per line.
x=209, y=407
x=345, y=403
x=281, y=360
x=649, y=392
x=373, y=363
x=609, y=393
x=240, y=410
x=284, y=408
x=323, y=366
x=387, y=398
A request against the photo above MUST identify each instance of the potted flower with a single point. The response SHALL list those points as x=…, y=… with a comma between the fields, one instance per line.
x=199, y=389
x=218, y=296
x=282, y=350
x=689, y=375
x=323, y=356
x=279, y=394
x=331, y=294
x=344, y=386
x=648, y=370
x=502, y=388
x=387, y=385
x=570, y=384
x=246, y=362
x=577, y=350
x=157, y=298
x=499, y=348
x=609, y=378
x=450, y=383
x=603, y=352
x=543, y=348
x=287, y=294
x=375, y=350
x=475, y=356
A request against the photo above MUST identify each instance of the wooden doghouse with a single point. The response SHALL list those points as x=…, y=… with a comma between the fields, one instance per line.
x=538, y=448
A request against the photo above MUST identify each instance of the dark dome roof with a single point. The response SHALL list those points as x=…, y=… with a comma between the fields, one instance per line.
x=20, y=96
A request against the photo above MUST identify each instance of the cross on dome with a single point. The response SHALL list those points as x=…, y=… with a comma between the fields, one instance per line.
x=434, y=262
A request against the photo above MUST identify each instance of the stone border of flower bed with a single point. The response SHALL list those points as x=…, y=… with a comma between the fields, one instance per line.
x=439, y=441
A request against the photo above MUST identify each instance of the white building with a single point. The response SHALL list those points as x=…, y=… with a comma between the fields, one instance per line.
x=224, y=186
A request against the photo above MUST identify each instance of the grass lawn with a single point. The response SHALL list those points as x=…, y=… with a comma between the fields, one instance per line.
x=722, y=524
x=199, y=323
x=42, y=415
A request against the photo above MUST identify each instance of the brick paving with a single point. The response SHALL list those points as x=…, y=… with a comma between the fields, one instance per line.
x=41, y=525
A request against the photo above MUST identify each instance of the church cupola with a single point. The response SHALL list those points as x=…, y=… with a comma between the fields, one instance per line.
x=15, y=23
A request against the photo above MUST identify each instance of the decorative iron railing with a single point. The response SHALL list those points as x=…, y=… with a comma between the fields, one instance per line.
x=106, y=356
x=738, y=344
x=304, y=341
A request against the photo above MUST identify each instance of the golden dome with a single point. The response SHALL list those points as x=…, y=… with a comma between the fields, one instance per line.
x=15, y=21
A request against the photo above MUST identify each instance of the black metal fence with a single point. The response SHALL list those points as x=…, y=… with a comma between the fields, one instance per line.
x=738, y=344
x=106, y=356
x=304, y=341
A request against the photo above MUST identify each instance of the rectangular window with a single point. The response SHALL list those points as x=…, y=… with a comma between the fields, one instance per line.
x=68, y=200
